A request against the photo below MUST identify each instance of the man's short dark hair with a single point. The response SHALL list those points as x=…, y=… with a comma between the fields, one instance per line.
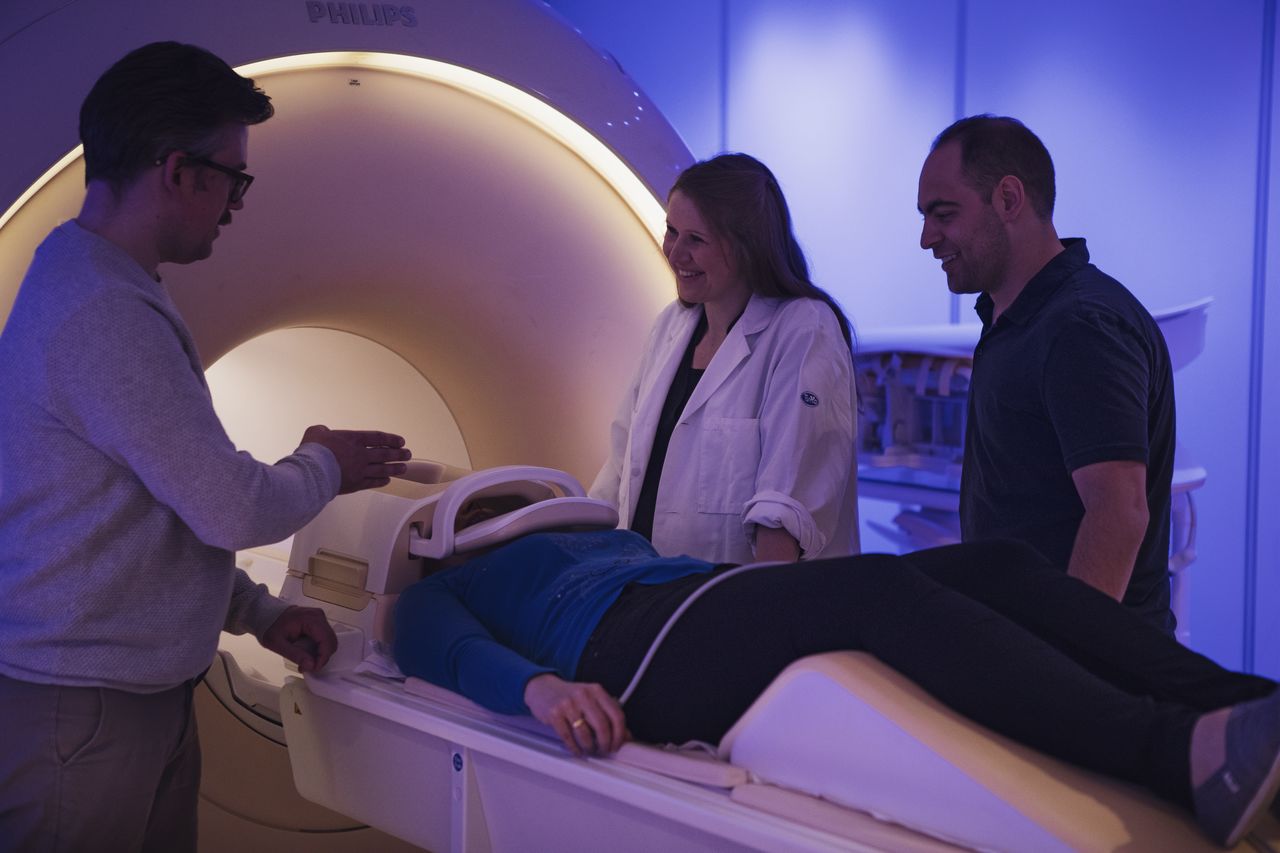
x=994, y=146
x=162, y=97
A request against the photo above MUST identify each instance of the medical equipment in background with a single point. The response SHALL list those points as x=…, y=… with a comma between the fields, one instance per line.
x=453, y=235
x=914, y=386
x=835, y=740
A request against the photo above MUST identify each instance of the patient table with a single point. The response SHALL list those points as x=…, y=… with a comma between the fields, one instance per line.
x=839, y=753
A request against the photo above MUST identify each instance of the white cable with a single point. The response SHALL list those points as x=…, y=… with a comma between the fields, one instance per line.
x=671, y=621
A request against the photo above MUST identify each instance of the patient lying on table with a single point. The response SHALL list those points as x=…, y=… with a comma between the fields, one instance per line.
x=557, y=624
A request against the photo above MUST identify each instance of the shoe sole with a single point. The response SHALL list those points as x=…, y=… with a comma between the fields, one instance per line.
x=1260, y=802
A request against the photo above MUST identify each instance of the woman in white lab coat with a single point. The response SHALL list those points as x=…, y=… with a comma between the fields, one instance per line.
x=735, y=440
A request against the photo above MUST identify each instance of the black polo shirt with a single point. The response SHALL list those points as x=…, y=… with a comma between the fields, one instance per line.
x=1074, y=372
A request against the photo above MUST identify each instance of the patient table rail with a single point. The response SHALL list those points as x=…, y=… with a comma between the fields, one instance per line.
x=448, y=779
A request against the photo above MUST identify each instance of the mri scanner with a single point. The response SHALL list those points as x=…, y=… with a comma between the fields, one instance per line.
x=454, y=235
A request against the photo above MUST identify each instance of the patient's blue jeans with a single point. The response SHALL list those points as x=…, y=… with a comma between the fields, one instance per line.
x=991, y=629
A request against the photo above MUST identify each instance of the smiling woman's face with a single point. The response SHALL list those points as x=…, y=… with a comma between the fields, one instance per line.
x=698, y=256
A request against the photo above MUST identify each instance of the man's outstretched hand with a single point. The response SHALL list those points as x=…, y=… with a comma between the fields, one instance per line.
x=368, y=458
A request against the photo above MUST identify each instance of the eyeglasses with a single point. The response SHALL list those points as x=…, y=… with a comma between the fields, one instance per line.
x=240, y=181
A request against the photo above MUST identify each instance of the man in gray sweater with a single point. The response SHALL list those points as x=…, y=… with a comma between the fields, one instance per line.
x=122, y=501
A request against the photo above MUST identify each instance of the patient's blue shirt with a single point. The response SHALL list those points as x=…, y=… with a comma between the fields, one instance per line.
x=486, y=627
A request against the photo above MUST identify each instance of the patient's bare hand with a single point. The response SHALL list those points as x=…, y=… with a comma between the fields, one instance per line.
x=367, y=458
x=585, y=717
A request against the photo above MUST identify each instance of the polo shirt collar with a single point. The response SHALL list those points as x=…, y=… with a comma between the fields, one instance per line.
x=1073, y=257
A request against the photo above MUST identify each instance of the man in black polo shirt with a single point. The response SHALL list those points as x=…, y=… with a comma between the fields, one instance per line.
x=1070, y=438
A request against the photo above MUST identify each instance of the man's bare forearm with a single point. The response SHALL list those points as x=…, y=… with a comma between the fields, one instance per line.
x=1106, y=547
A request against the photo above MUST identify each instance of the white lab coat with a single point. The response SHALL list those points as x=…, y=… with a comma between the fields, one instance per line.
x=767, y=438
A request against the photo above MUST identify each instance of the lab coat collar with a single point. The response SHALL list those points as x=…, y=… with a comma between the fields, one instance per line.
x=735, y=349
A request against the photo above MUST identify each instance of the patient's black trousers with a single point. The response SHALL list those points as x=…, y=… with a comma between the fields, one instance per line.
x=991, y=629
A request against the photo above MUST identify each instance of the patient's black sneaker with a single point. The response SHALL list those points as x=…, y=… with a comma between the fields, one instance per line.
x=1229, y=802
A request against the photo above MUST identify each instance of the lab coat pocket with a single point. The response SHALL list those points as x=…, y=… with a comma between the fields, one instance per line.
x=728, y=457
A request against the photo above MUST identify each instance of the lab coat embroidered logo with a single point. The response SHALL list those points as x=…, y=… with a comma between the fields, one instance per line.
x=809, y=398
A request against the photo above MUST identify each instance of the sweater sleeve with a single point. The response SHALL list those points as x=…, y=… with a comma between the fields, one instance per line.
x=438, y=639
x=146, y=407
x=253, y=609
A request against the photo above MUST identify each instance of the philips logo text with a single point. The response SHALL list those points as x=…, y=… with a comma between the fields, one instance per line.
x=362, y=14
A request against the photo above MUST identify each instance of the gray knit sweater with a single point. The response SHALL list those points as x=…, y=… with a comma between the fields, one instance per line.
x=121, y=498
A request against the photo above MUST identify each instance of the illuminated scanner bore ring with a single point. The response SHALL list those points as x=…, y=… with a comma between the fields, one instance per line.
x=516, y=101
